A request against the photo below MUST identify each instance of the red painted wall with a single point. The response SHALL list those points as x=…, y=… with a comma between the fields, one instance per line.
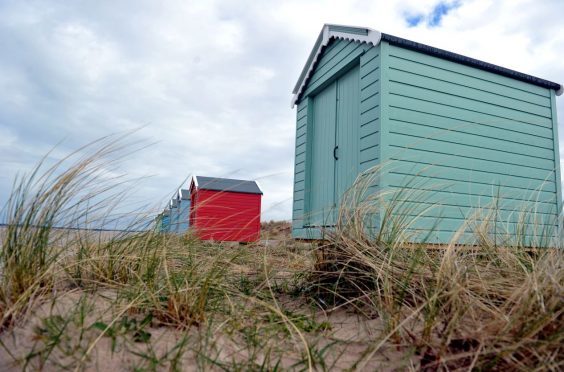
x=225, y=216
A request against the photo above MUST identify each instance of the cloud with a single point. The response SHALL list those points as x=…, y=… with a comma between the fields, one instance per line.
x=210, y=82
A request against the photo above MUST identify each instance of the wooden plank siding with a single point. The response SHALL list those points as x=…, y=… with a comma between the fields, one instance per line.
x=298, y=212
x=458, y=139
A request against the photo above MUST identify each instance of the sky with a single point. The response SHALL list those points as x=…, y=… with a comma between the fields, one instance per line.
x=208, y=83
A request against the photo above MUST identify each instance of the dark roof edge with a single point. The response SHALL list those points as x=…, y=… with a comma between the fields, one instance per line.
x=454, y=57
x=209, y=186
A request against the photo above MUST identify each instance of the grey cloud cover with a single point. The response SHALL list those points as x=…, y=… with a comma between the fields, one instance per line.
x=210, y=82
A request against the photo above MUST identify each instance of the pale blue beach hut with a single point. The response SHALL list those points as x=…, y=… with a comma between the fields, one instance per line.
x=183, y=211
x=174, y=215
x=165, y=221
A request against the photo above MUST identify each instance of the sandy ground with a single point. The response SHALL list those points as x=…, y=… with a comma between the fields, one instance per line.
x=65, y=334
x=350, y=338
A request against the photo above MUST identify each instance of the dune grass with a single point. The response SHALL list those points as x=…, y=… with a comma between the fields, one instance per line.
x=363, y=299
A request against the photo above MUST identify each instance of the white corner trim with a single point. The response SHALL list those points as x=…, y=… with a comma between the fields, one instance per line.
x=193, y=184
x=560, y=91
x=260, y=188
x=373, y=37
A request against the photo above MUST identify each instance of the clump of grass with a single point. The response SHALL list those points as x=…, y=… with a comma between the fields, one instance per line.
x=132, y=284
x=147, y=281
x=40, y=215
x=461, y=306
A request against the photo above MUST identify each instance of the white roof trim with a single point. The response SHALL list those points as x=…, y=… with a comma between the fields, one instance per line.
x=329, y=32
x=180, y=193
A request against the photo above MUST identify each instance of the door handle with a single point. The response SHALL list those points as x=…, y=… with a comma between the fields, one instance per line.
x=335, y=152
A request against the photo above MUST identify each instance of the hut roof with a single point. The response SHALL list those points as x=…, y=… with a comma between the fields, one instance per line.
x=226, y=184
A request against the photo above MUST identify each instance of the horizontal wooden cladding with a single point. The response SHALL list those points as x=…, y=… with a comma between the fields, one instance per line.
x=300, y=132
x=299, y=163
x=452, y=225
x=369, y=58
x=301, y=127
x=302, y=112
x=369, y=132
x=473, y=77
x=531, y=237
x=465, y=165
x=478, y=141
x=418, y=137
x=370, y=93
x=307, y=233
x=445, y=198
x=434, y=174
x=299, y=166
x=412, y=163
x=300, y=147
x=462, y=189
x=476, y=131
x=526, y=212
x=227, y=216
x=464, y=115
x=341, y=54
x=401, y=71
x=369, y=153
x=366, y=165
x=470, y=150
x=405, y=89
x=468, y=239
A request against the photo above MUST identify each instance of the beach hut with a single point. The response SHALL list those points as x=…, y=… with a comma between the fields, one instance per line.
x=159, y=222
x=225, y=209
x=183, y=210
x=453, y=133
x=173, y=204
x=165, y=221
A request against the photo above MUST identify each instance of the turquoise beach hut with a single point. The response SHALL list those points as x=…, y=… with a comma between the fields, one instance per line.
x=449, y=136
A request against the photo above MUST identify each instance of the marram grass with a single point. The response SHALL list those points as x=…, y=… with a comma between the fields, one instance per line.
x=486, y=305
x=364, y=299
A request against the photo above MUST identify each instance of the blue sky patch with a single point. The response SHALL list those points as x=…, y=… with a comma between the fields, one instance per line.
x=434, y=18
x=414, y=20
x=439, y=11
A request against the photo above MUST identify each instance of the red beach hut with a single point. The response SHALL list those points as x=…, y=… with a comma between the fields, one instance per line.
x=225, y=209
